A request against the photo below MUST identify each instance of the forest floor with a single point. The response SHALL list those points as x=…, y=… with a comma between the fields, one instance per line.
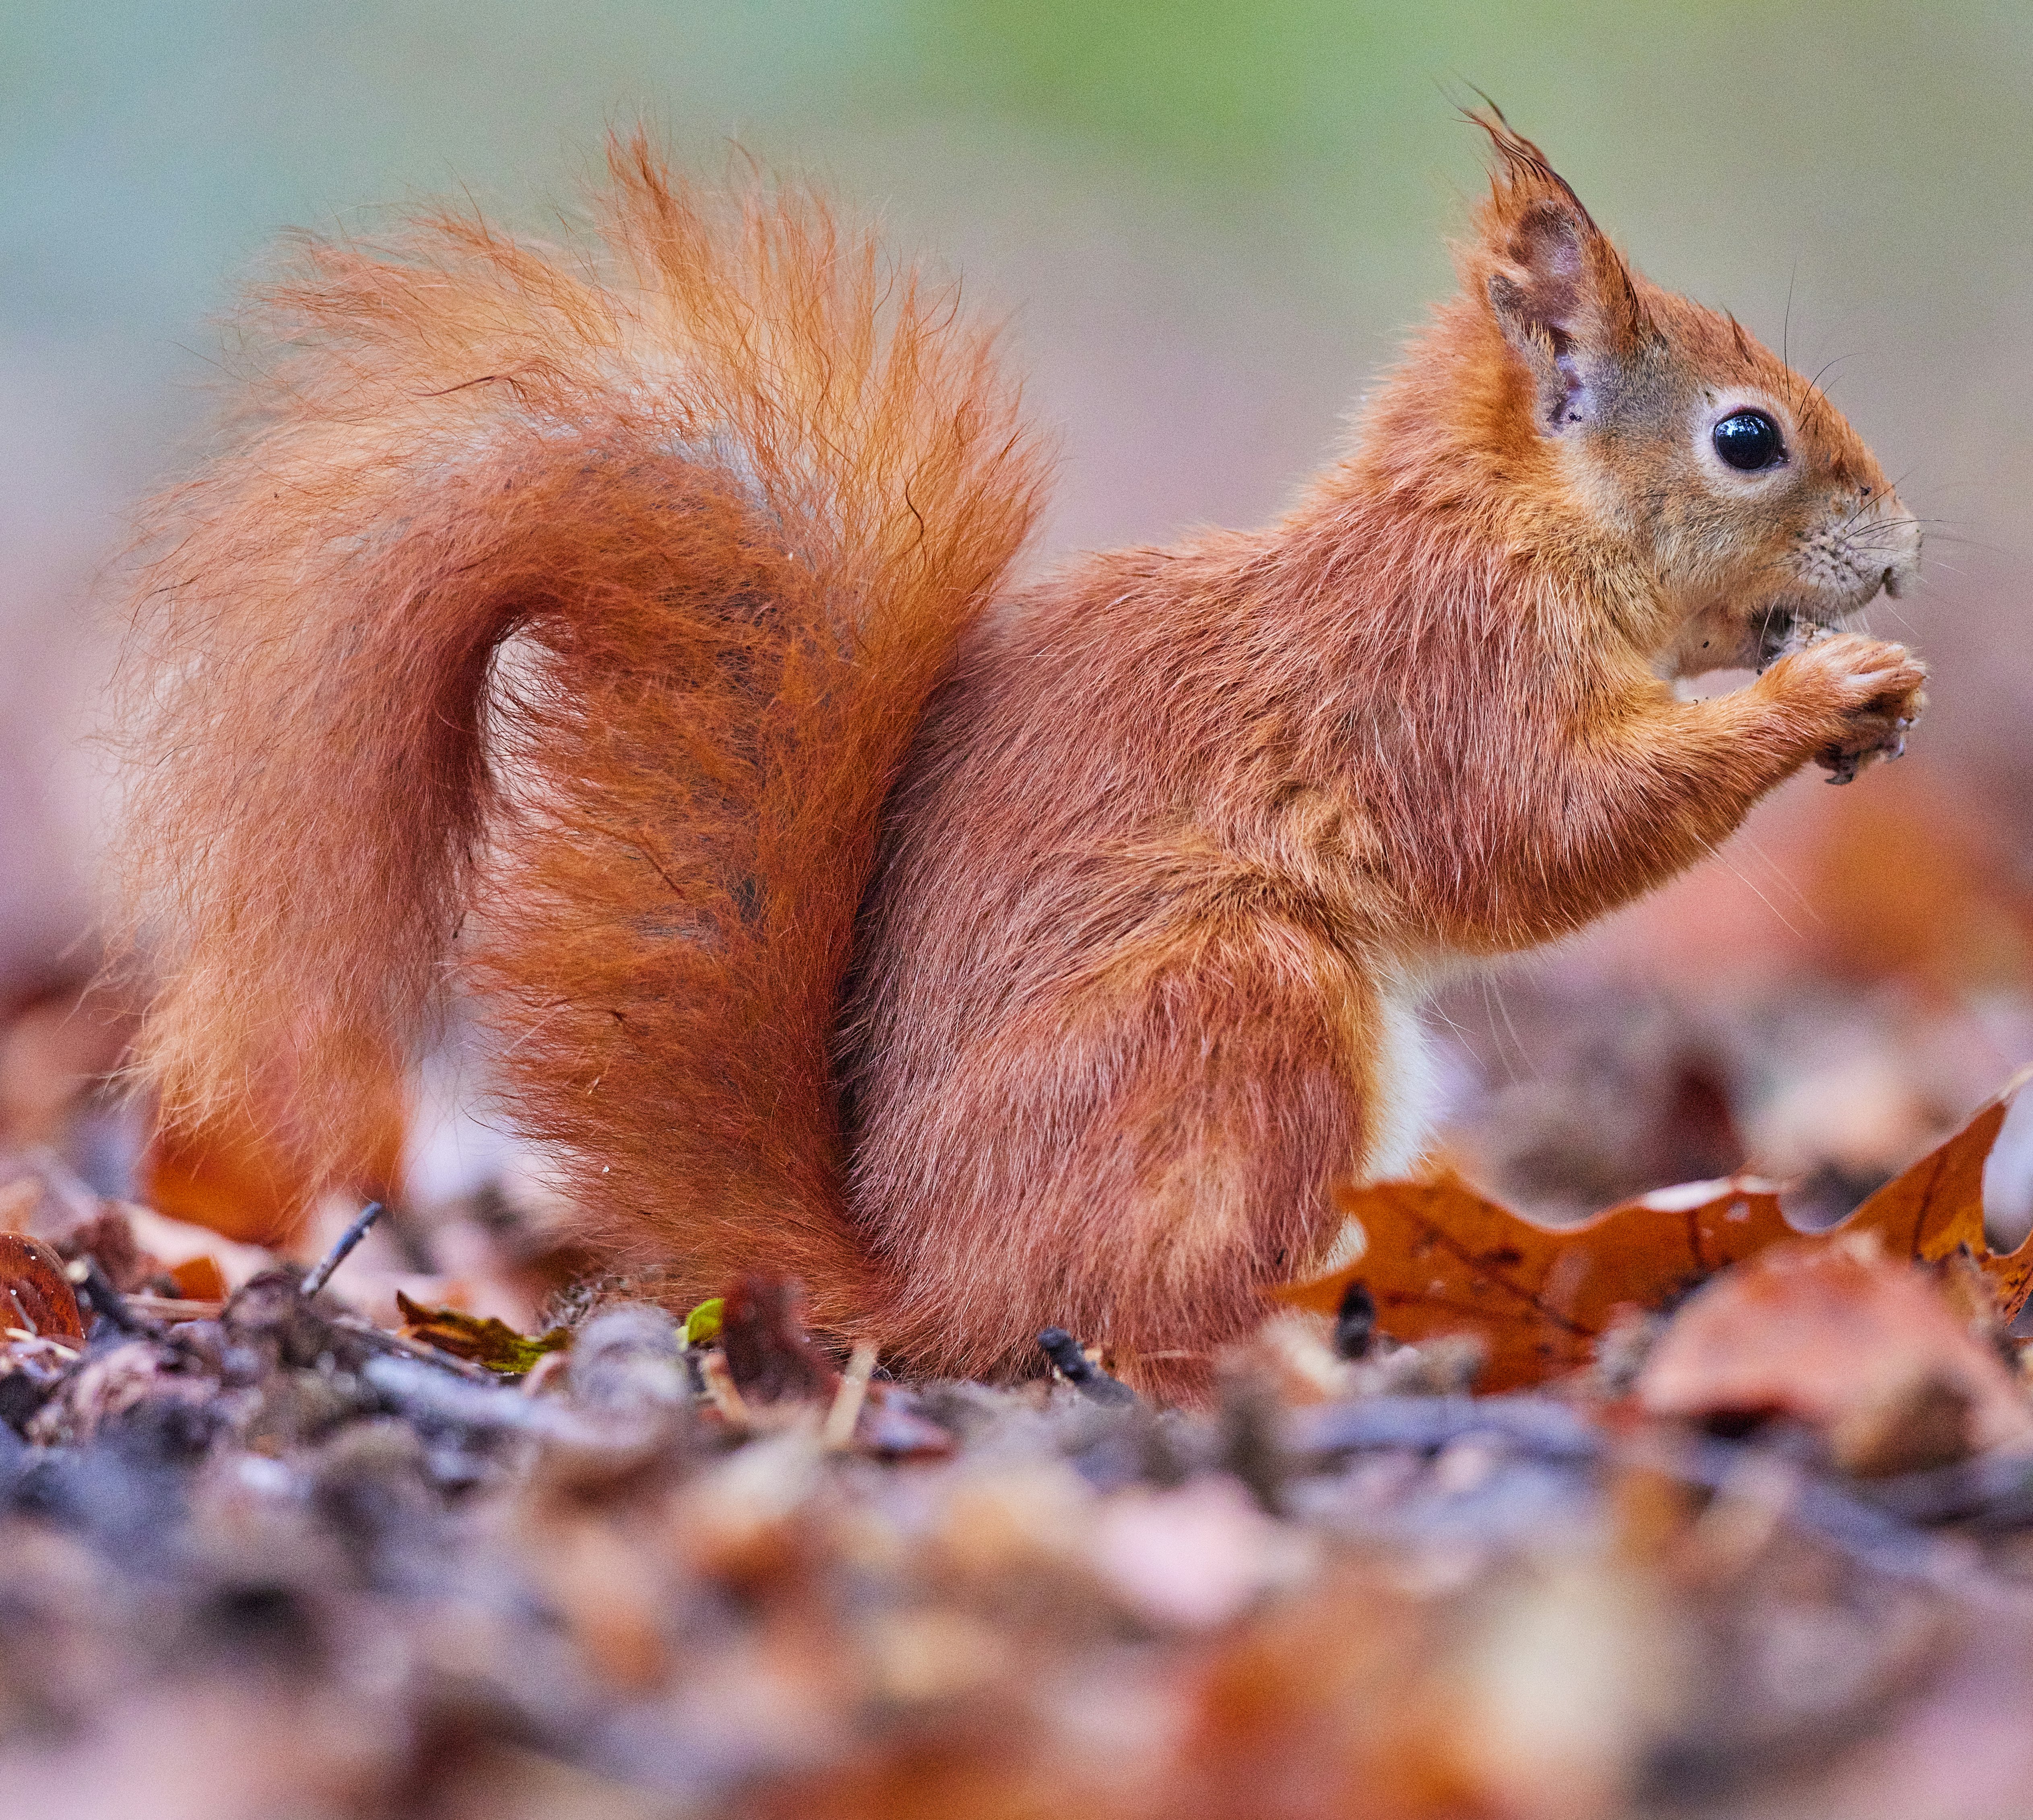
x=1758, y=1543
x=1718, y=1503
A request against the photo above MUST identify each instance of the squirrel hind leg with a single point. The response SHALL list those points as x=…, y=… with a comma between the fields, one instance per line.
x=1135, y=1173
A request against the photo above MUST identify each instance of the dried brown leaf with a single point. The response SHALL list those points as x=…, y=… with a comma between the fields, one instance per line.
x=36, y=1296
x=1837, y=1335
x=200, y=1278
x=1439, y=1258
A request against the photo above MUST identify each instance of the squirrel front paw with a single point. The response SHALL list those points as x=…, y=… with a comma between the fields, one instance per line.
x=1857, y=696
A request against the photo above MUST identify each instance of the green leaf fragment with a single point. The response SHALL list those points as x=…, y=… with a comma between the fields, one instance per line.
x=487, y=1342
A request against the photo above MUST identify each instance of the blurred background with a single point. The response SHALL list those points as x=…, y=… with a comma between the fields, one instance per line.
x=1208, y=225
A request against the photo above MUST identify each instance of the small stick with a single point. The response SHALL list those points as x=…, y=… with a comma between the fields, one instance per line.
x=103, y=1298
x=838, y=1434
x=1081, y=1371
x=726, y=1397
x=173, y=1308
x=1355, y=1322
x=339, y=1252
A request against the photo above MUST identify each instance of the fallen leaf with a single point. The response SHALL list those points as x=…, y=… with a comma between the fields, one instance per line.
x=1441, y=1259
x=1862, y=1346
x=1192, y=1558
x=178, y=1242
x=1934, y=1209
x=36, y=1296
x=483, y=1339
x=1438, y=1258
x=107, y=1237
x=200, y=1278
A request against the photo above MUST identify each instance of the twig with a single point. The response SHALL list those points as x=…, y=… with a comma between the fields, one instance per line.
x=24, y=1336
x=726, y=1395
x=1355, y=1322
x=419, y=1389
x=1081, y=1371
x=337, y=1255
x=172, y=1308
x=837, y=1436
x=107, y=1301
x=1539, y=1425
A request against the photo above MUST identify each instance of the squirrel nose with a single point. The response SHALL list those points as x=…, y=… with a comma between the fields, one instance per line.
x=1896, y=534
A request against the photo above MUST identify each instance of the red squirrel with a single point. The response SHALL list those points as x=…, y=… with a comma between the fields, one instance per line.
x=630, y=637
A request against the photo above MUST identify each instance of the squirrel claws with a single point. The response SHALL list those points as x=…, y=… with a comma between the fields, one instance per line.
x=1843, y=763
x=1876, y=688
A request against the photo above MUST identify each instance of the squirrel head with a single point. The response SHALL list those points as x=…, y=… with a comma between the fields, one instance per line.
x=1686, y=448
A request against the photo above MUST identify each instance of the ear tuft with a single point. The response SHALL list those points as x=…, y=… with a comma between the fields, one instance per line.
x=1560, y=293
x=1523, y=168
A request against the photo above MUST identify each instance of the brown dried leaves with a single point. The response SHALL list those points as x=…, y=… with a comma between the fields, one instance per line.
x=36, y=1296
x=1438, y=1258
x=1863, y=1348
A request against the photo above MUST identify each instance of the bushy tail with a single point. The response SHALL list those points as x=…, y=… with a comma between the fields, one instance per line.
x=563, y=618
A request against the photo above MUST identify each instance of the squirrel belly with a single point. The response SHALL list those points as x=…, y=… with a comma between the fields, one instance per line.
x=639, y=651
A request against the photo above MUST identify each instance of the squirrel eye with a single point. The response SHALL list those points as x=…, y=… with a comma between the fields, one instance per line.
x=1748, y=440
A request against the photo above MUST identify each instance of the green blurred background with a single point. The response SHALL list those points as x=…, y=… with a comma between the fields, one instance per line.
x=1208, y=224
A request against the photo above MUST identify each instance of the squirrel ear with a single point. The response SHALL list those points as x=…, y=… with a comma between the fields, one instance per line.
x=1560, y=293
x=1539, y=291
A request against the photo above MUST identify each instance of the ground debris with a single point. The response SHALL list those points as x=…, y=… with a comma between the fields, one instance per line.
x=284, y=1560
x=1434, y=1257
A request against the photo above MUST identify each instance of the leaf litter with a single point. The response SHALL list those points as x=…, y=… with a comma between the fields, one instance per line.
x=1438, y=1257
x=1679, y=1511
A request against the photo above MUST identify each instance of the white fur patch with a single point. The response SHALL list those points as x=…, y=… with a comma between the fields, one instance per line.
x=1405, y=1092
x=1407, y=1085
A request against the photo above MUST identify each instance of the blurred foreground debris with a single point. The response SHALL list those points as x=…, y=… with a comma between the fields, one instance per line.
x=1770, y=1555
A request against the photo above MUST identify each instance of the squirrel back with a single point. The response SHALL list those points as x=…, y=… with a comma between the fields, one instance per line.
x=569, y=623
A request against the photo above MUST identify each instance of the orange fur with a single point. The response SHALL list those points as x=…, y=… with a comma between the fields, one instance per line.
x=613, y=612
x=602, y=605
